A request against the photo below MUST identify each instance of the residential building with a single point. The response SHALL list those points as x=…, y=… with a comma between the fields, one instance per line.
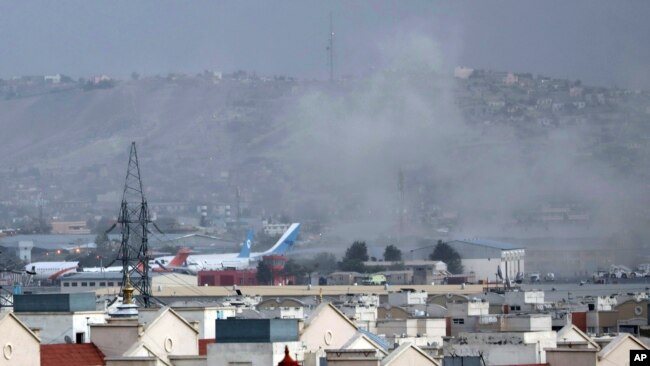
x=254, y=342
x=20, y=345
x=59, y=318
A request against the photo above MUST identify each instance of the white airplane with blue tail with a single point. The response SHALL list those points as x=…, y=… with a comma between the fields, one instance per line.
x=244, y=258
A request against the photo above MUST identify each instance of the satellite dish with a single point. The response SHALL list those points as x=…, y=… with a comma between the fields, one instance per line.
x=67, y=339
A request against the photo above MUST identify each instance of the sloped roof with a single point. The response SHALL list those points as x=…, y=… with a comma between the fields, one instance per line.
x=15, y=318
x=616, y=342
x=164, y=310
x=140, y=345
x=74, y=354
x=378, y=347
x=380, y=341
x=489, y=243
x=401, y=349
x=320, y=308
x=572, y=328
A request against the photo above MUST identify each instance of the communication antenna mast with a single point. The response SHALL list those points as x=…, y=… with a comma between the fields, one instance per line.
x=134, y=221
x=40, y=203
x=330, y=49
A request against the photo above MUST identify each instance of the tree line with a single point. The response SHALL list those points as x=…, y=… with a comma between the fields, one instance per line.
x=354, y=261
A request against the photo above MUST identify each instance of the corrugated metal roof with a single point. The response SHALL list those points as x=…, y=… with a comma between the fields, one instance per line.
x=381, y=341
x=490, y=243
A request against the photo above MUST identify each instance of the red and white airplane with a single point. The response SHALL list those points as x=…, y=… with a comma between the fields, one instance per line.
x=50, y=270
x=54, y=270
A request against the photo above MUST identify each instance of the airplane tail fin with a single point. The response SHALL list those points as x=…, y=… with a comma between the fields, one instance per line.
x=246, y=245
x=180, y=258
x=285, y=242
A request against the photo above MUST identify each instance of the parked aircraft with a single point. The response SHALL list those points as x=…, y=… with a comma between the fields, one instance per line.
x=244, y=257
x=182, y=261
x=50, y=270
x=53, y=270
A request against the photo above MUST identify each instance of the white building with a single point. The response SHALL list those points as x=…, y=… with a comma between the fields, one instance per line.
x=421, y=331
x=20, y=346
x=525, y=301
x=485, y=258
x=406, y=297
x=467, y=315
x=203, y=316
x=59, y=318
x=274, y=229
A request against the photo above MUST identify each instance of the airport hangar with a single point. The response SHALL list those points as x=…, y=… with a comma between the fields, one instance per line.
x=485, y=258
x=482, y=258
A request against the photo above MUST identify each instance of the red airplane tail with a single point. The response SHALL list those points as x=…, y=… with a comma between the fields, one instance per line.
x=180, y=258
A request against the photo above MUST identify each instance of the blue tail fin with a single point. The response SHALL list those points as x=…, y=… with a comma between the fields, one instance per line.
x=245, y=251
x=285, y=242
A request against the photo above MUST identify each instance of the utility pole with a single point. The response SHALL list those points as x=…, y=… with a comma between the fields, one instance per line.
x=40, y=203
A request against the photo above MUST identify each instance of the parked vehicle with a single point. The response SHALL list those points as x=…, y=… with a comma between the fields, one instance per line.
x=599, y=275
x=374, y=279
x=534, y=277
x=619, y=271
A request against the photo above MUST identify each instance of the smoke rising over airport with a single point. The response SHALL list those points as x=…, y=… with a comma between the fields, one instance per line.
x=349, y=147
x=513, y=146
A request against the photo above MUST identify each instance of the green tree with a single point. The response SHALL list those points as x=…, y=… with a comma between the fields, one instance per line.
x=293, y=268
x=392, y=254
x=103, y=243
x=324, y=263
x=354, y=257
x=443, y=252
x=264, y=273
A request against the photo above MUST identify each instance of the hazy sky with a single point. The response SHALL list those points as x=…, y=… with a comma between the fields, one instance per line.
x=600, y=42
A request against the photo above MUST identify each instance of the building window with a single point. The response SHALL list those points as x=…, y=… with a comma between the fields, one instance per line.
x=591, y=330
x=515, y=307
x=79, y=337
x=102, y=284
x=91, y=284
x=66, y=284
x=119, y=284
x=74, y=284
x=459, y=321
x=110, y=284
x=84, y=284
